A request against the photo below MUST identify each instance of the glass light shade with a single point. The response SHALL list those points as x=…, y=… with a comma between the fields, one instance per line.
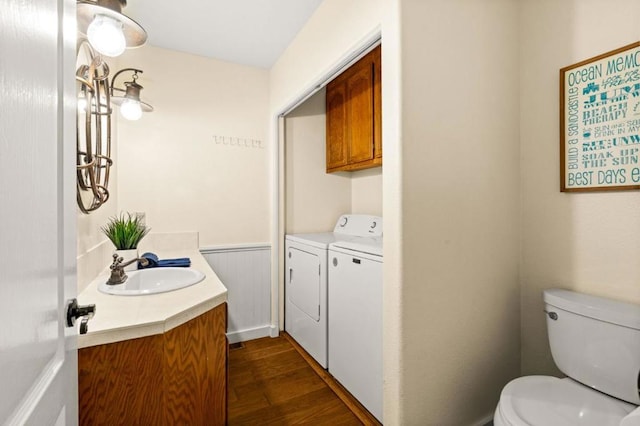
x=106, y=36
x=131, y=109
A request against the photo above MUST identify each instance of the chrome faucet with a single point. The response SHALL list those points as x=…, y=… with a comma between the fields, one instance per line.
x=118, y=275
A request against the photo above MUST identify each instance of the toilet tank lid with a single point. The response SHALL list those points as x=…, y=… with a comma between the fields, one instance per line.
x=612, y=311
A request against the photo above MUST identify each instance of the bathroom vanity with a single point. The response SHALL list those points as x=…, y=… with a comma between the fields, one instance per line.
x=156, y=359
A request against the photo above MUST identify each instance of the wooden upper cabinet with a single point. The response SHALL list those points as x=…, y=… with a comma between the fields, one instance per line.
x=354, y=116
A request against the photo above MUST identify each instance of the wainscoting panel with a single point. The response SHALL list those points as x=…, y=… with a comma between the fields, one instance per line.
x=246, y=272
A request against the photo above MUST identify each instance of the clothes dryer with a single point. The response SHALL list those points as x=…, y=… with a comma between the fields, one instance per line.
x=306, y=280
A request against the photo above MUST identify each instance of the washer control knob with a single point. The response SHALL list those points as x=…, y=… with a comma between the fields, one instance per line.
x=344, y=221
x=335, y=261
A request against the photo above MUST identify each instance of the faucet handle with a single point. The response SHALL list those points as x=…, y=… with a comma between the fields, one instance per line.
x=117, y=260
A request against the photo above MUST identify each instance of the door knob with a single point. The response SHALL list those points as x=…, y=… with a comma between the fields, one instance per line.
x=75, y=311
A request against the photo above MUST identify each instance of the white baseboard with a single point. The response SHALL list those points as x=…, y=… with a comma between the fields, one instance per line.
x=249, y=334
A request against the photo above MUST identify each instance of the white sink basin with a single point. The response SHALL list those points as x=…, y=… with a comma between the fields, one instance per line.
x=154, y=280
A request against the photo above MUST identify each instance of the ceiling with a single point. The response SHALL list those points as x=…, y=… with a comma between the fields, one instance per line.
x=249, y=32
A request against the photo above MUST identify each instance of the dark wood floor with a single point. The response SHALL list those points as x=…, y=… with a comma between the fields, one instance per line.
x=270, y=383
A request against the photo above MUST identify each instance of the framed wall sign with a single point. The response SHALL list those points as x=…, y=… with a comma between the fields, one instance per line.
x=600, y=122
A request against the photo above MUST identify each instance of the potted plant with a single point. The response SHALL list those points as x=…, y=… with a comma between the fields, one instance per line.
x=125, y=232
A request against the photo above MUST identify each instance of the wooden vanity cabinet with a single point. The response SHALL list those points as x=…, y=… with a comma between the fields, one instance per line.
x=354, y=116
x=179, y=377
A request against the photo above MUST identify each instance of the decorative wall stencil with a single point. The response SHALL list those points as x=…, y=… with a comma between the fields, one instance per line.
x=600, y=122
x=238, y=141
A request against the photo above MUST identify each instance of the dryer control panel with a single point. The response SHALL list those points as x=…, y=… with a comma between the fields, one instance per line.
x=360, y=225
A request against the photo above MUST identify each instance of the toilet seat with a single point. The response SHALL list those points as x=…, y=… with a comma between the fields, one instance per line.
x=545, y=400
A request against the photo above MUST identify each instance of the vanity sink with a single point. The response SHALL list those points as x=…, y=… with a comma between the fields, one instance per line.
x=154, y=280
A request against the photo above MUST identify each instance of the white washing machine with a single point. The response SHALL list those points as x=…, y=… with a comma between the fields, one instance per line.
x=355, y=319
x=306, y=280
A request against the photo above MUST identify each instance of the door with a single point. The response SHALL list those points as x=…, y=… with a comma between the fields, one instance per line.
x=360, y=111
x=303, y=282
x=336, y=111
x=306, y=299
x=38, y=361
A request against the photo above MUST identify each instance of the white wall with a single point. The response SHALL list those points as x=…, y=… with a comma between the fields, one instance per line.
x=587, y=242
x=171, y=167
x=366, y=191
x=456, y=308
x=89, y=234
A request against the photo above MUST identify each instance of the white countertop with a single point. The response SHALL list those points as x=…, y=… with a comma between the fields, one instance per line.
x=119, y=318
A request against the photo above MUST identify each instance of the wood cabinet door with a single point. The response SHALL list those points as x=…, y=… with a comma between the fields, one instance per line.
x=336, y=124
x=360, y=111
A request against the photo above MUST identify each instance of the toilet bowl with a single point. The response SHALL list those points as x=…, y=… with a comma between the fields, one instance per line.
x=545, y=400
x=594, y=341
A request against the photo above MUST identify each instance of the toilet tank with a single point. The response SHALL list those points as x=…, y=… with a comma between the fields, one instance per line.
x=595, y=341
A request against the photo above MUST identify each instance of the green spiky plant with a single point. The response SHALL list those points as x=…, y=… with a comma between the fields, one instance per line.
x=125, y=231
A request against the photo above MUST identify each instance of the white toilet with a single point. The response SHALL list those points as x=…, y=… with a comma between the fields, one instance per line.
x=594, y=341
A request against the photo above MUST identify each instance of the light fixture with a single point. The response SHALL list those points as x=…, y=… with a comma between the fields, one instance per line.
x=107, y=29
x=131, y=107
x=93, y=130
x=105, y=34
x=103, y=31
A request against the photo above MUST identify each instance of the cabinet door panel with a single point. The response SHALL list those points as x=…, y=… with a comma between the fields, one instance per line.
x=336, y=125
x=359, y=113
x=114, y=382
